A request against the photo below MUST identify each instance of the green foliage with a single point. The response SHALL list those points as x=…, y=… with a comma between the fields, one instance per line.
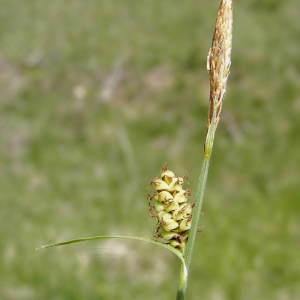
x=74, y=165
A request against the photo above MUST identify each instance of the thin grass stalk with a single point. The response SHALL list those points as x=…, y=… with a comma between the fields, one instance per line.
x=182, y=283
x=218, y=65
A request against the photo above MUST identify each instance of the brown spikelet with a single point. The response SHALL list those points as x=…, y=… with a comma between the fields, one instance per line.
x=218, y=60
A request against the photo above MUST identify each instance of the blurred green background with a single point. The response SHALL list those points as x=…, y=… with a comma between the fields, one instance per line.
x=95, y=97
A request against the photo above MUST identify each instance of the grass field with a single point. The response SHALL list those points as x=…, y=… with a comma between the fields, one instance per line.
x=95, y=97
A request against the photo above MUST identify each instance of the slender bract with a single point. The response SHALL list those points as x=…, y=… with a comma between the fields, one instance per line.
x=218, y=65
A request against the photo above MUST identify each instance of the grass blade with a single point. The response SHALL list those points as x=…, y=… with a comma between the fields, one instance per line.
x=101, y=237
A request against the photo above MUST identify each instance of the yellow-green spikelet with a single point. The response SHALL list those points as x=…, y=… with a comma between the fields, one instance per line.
x=170, y=207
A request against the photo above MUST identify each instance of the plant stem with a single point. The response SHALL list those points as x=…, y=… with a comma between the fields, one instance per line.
x=200, y=192
x=218, y=66
x=180, y=295
x=182, y=283
x=197, y=210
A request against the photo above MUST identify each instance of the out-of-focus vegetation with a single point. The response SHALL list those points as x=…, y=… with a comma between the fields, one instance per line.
x=95, y=96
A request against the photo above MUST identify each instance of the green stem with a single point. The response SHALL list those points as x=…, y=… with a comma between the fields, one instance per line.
x=200, y=191
x=180, y=295
x=208, y=146
x=182, y=283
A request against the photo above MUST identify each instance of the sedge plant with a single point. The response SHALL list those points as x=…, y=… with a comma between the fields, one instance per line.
x=177, y=218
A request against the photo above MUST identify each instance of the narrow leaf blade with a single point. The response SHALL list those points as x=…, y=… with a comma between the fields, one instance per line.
x=100, y=237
